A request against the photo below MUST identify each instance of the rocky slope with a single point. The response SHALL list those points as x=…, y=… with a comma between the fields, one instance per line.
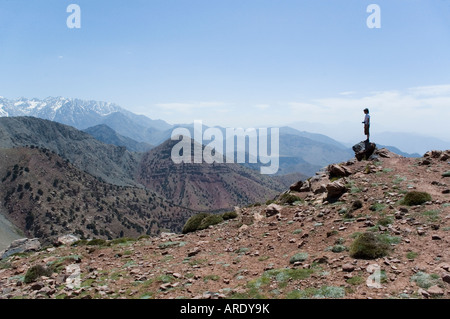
x=301, y=246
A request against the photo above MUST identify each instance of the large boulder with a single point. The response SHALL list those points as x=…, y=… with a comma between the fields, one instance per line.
x=301, y=186
x=22, y=245
x=67, y=240
x=363, y=150
x=335, y=189
x=336, y=170
x=296, y=186
x=273, y=209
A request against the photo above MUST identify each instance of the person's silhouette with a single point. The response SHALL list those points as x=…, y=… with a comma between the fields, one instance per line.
x=366, y=123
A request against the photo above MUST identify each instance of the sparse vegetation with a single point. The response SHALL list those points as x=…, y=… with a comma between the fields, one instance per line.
x=355, y=280
x=411, y=255
x=289, y=199
x=432, y=215
x=385, y=221
x=368, y=246
x=298, y=257
x=425, y=281
x=193, y=223
x=229, y=215
x=416, y=198
x=319, y=293
x=36, y=271
x=338, y=248
x=210, y=220
x=377, y=207
x=97, y=242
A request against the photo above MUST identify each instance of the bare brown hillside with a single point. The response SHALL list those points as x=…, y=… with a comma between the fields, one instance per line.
x=207, y=187
x=45, y=196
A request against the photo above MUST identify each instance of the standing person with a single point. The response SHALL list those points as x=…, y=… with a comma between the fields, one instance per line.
x=366, y=124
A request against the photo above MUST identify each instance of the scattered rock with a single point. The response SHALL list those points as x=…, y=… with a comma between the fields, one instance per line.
x=364, y=150
x=67, y=240
x=273, y=209
x=319, y=189
x=423, y=292
x=336, y=170
x=243, y=228
x=348, y=267
x=335, y=189
x=296, y=187
x=446, y=278
x=21, y=246
x=435, y=291
x=194, y=251
x=37, y=286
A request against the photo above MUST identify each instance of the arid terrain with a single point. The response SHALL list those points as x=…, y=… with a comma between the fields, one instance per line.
x=300, y=246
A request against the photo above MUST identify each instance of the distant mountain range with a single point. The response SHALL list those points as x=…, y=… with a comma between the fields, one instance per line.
x=300, y=151
x=83, y=114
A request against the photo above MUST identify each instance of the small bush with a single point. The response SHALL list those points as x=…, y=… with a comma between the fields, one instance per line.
x=37, y=271
x=446, y=174
x=338, y=248
x=377, y=207
x=210, y=220
x=97, y=242
x=193, y=223
x=385, y=221
x=123, y=240
x=416, y=198
x=298, y=257
x=288, y=199
x=368, y=246
x=356, y=280
x=229, y=215
x=411, y=255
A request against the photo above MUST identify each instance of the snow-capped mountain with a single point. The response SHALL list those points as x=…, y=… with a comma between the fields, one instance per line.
x=83, y=114
x=74, y=112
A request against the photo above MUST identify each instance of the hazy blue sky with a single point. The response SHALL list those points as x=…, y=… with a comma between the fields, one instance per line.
x=238, y=62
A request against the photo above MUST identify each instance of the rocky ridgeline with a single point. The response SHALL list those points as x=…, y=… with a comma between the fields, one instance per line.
x=375, y=228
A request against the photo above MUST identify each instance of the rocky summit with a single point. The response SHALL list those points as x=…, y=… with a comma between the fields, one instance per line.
x=375, y=228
